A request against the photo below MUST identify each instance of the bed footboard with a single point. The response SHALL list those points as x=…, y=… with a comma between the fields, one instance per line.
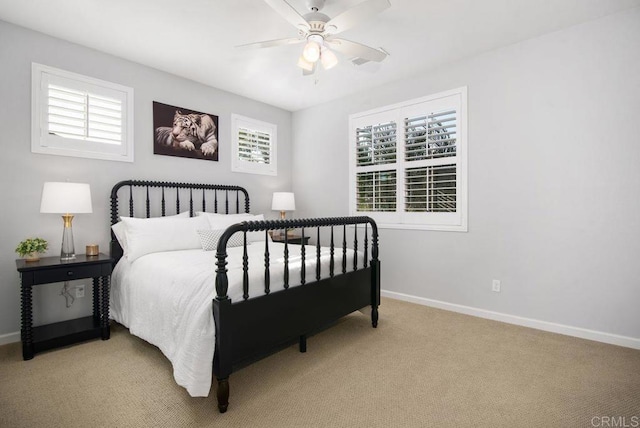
x=253, y=327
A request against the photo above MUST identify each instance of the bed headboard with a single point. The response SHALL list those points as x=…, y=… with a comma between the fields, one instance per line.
x=159, y=198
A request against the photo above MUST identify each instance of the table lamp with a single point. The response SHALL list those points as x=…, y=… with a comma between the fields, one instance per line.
x=66, y=199
x=283, y=202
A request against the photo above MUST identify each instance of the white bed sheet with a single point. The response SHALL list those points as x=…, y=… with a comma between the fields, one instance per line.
x=165, y=298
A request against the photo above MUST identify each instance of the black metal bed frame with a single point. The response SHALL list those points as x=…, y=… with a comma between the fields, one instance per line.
x=253, y=327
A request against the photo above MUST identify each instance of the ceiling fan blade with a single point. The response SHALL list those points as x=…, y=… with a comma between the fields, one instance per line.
x=352, y=17
x=354, y=49
x=271, y=43
x=287, y=11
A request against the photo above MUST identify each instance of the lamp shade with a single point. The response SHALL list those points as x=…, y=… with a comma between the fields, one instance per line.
x=283, y=201
x=66, y=198
x=328, y=59
x=304, y=64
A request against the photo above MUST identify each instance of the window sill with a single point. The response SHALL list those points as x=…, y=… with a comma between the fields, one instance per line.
x=434, y=227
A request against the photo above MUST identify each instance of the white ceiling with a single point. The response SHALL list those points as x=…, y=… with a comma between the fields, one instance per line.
x=196, y=39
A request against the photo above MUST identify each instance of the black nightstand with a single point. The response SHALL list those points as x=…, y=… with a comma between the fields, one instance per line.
x=292, y=238
x=52, y=269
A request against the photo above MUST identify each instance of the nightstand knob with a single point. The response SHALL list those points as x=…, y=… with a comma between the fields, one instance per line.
x=70, y=273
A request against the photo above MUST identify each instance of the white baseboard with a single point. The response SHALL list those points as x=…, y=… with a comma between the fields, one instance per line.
x=598, y=336
x=9, y=338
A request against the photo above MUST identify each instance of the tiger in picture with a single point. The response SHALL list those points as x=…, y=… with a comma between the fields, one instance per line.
x=189, y=132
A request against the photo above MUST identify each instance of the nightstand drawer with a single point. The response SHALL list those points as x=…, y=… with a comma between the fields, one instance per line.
x=65, y=274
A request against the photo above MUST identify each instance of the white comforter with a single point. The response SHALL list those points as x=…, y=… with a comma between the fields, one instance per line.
x=165, y=298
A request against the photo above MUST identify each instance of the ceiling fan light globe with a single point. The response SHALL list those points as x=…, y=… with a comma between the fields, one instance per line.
x=311, y=52
x=304, y=64
x=328, y=59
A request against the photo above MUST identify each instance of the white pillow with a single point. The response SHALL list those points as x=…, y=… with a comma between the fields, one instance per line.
x=209, y=239
x=121, y=235
x=121, y=232
x=222, y=221
x=152, y=235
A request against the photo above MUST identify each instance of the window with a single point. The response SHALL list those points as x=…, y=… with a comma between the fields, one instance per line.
x=75, y=115
x=408, y=163
x=254, y=146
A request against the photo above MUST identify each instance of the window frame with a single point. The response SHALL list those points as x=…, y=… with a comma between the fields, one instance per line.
x=401, y=219
x=237, y=164
x=43, y=142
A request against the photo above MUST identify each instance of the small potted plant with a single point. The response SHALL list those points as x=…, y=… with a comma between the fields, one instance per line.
x=31, y=248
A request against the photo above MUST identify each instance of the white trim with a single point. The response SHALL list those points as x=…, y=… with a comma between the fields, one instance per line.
x=567, y=330
x=5, y=339
x=436, y=227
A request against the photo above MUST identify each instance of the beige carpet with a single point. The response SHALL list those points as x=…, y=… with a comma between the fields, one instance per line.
x=422, y=367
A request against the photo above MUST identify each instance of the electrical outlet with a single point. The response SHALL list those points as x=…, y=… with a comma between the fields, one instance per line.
x=495, y=285
x=79, y=291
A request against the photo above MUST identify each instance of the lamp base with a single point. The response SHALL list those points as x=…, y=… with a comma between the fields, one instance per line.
x=68, y=251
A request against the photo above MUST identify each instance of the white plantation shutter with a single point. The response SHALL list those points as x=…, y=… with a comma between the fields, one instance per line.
x=429, y=138
x=376, y=144
x=75, y=115
x=84, y=116
x=415, y=176
x=374, y=185
x=253, y=146
x=377, y=191
x=430, y=189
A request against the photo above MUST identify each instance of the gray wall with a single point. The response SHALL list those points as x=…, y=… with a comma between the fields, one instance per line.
x=23, y=173
x=554, y=180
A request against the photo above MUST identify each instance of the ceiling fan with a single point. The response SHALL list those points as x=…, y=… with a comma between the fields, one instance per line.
x=318, y=31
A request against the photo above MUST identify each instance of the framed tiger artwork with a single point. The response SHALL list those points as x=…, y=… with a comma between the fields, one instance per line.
x=183, y=132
